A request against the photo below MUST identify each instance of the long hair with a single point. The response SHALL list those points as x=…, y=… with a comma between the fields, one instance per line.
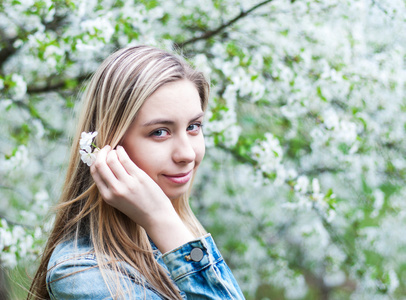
x=117, y=90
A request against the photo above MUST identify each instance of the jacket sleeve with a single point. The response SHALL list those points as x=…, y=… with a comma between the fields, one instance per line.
x=80, y=278
x=200, y=272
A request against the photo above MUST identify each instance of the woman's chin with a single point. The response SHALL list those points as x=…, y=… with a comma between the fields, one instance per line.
x=173, y=195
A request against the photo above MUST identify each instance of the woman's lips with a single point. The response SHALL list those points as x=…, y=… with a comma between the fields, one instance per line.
x=180, y=178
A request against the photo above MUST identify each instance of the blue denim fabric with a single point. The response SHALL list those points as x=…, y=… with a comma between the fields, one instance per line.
x=73, y=273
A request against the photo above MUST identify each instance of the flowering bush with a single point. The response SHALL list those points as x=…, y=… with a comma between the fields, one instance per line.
x=305, y=130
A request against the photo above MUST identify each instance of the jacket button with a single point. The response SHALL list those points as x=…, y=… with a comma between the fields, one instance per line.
x=196, y=254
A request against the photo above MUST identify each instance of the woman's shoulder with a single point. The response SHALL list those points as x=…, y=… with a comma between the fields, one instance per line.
x=72, y=249
x=74, y=272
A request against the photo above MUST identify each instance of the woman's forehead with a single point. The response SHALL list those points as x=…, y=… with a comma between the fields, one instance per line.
x=171, y=101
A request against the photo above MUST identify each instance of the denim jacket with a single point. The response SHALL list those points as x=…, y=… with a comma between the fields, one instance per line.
x=197, y=268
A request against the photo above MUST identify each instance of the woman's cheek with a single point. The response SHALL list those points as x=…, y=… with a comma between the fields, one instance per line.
x=200, y=151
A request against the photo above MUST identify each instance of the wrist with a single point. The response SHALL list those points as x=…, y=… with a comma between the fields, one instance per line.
x=169, y=233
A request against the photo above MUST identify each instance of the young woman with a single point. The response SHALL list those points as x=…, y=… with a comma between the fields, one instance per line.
x=124, y=228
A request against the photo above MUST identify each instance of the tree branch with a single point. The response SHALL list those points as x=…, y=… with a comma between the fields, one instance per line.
x=237, y=156
x=379, y=6
x=7, y=44
x=13, y=223
x=13, y=189
x=223, y=26
x=7, y=48
x=55, y=86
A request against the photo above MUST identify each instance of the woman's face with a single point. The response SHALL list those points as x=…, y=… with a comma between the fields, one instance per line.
x=165, y=139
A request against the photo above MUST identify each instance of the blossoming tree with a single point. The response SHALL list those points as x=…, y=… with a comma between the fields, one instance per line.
x=304, y=180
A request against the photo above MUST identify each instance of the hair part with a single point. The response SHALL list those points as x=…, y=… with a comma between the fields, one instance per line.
x=116, y=92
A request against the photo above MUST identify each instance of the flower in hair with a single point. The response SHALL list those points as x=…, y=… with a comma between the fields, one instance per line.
x=86, y=141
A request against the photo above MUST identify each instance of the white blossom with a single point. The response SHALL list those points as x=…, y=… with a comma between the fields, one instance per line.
x=302, y=184
x=8, y=259
x=100, y=26
x=86, y=139
x=346, y=132
x=20, y=89
x=378, y=203
x=87, y=156
x=18, y=161
x=40, y=131
x=393, y=281
x=330, y=119
x=5, y=104
x=268, y=153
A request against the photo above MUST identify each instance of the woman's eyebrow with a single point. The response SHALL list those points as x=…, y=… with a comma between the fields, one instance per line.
x=169, y=122
x=197, y=117
x=158, y=121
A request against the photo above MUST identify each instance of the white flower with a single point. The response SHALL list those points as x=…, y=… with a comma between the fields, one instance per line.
x=393, y=281
x=41, y=196
x=379, y=201
x=40, y=131
x=86, y=139
x=17, y=161
x=316, y=186
x=100, y=26
x=346, y=132
x=37, y=233
x=268, y=153
x=9, y=259
x=302, y=184
x=330, y=119
x=87, y=156
x=20, y=88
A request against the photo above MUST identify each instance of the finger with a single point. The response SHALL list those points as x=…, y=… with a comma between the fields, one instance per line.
x=95, y=171
x=130, y=167
x=101, y=170
x=101, y=185
x=116, y=167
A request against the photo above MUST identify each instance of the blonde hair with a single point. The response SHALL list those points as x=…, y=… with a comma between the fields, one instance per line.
x=117, y=90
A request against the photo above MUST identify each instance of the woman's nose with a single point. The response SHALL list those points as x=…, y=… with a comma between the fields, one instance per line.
x=183, y=151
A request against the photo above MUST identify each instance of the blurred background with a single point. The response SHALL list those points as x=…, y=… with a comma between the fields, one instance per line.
x=303, y=184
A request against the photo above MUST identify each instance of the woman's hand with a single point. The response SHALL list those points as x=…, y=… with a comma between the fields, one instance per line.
x=129, y=189
x=126, y=187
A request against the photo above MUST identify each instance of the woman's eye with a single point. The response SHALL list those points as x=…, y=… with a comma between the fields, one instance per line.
x=194, y=127
x=160, y=133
